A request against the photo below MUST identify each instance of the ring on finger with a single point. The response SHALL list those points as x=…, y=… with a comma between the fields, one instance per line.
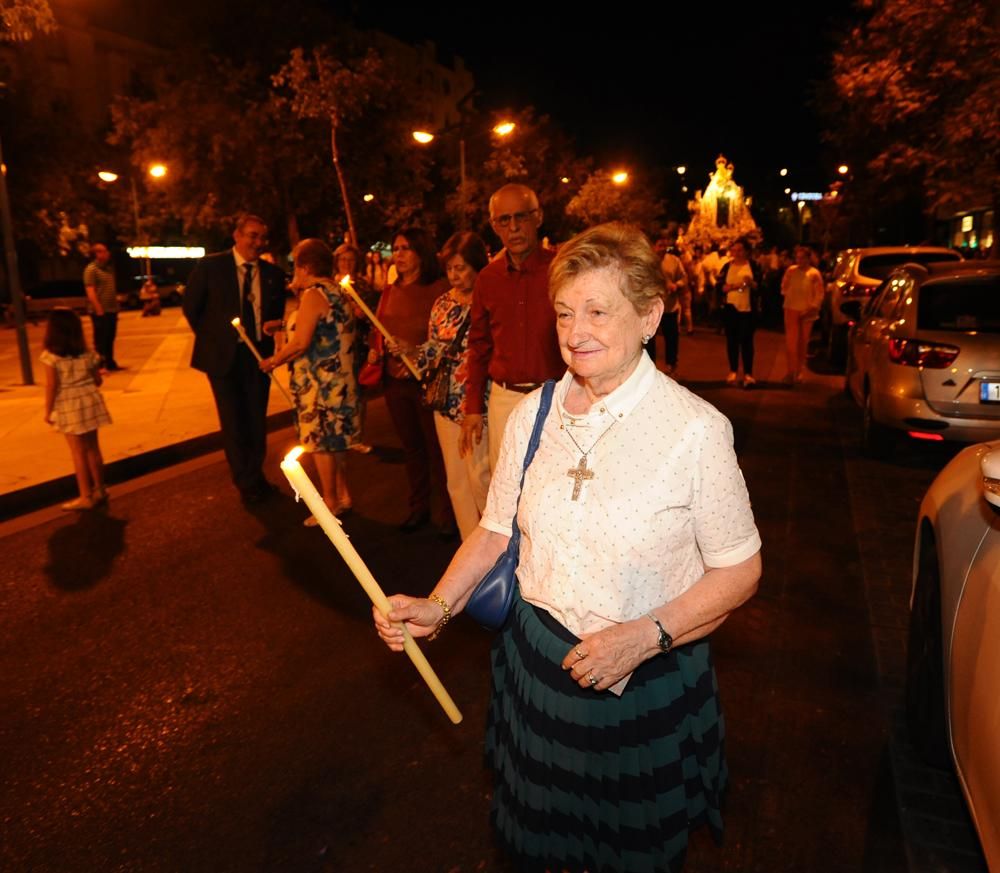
x=580, y=654
x=592, y=679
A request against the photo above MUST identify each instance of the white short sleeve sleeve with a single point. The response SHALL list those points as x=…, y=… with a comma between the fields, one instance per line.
x=724, y=525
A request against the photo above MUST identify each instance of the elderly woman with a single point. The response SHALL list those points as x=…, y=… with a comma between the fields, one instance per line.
x=320, y=350
x=605, y=733
x=405, y=310
x=444, y=359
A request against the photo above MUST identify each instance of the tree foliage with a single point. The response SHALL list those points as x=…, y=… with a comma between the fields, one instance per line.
x=601, y=199
x=20, y=20
x=914, y=96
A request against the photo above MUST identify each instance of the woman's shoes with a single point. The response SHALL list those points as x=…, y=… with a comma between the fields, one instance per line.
x=731, y=379
x=99, y=496
x=79, y=505
x=749, y=381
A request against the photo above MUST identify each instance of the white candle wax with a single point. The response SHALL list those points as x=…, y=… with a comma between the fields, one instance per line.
x=305, y=489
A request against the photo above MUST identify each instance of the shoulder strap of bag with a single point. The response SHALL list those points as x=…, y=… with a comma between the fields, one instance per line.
x=548, y=389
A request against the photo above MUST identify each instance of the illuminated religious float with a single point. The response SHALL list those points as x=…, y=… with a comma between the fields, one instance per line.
x=720, y=213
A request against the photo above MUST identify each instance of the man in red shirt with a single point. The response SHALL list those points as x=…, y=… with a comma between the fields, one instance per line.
x=512, y=332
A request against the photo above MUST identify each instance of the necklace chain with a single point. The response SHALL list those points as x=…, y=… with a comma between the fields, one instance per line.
x=581, y=473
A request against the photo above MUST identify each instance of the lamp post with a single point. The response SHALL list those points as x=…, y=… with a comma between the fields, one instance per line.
x=13, y=277
x=423, y=137
x=157, y=171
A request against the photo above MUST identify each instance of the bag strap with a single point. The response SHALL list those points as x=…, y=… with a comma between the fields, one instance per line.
x=548, y=389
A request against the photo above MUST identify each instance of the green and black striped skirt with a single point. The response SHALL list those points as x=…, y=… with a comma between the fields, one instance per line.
x=588, y=781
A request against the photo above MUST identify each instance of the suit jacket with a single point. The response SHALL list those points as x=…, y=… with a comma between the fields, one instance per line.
x=213, y=298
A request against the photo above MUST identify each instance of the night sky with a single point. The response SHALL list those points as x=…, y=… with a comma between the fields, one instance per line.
x=658, y=89
x=674, y=86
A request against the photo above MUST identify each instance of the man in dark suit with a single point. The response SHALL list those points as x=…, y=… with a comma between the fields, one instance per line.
x=223, y=286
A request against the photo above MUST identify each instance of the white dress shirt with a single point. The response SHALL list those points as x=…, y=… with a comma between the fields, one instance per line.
x=254, y=292
x=667, y=500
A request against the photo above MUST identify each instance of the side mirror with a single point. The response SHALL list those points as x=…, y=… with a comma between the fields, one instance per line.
x=990, y=467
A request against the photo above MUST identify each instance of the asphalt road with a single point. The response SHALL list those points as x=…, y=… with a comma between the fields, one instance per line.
x=191, y=686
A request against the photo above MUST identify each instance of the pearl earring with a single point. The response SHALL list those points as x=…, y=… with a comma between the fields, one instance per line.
x=646, y=338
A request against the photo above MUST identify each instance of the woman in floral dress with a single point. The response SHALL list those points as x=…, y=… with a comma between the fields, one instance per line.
x=444, y=357
x=320, y=350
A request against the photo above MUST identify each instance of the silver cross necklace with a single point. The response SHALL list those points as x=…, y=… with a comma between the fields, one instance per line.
x=580, y=472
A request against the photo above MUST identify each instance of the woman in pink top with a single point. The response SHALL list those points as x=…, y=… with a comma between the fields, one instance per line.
x=405, y=311
x=802, y=288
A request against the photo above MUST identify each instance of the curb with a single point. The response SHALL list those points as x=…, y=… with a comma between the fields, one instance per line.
x=34, y=497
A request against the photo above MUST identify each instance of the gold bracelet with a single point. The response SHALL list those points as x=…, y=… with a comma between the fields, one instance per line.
x=440, y=601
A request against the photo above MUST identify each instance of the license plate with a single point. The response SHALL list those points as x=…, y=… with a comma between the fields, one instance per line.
x=989, y=392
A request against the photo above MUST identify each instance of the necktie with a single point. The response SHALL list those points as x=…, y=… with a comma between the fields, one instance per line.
x=246, y=315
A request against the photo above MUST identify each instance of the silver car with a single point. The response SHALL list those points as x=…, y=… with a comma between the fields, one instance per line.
x=856, y=274
x=924, y=355
x=953, y=656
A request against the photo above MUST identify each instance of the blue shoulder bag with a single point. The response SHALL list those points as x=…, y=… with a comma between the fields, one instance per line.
x=490, y=603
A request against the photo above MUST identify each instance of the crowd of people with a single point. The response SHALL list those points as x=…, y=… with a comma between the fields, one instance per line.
x=637, y=537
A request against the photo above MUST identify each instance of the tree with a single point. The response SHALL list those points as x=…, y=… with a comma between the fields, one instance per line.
x=20, y=20
x=601, y=199
x=320, y=86
x=913, y=96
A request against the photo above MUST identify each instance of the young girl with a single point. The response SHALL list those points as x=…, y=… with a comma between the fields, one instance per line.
x=73, y=404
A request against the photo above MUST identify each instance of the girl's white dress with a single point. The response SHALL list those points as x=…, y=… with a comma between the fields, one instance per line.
x=79, y=406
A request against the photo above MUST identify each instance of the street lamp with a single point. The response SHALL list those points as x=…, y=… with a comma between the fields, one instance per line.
x=157, y=171
x=501, y=129
x=783, y=171
x=843, y=169
x=620, y=177
x=681, y=170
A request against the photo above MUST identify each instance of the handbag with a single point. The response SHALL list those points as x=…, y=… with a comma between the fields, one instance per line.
x=438, y=381
x=492, y=598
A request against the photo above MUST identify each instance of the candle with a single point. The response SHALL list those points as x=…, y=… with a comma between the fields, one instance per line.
x=243, y=336
x=304, y=488
x=345, y=283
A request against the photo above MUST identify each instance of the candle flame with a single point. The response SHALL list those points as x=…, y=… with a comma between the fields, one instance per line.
x=345, y=281
x=236, y=322
x=293, y=456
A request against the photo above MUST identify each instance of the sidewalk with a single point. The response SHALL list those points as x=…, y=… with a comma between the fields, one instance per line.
x=162, y=411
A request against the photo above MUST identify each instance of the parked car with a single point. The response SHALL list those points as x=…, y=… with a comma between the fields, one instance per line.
x=953, y=657
x=856, y=274
x=42, y=298
x=170, y=291
x=924, y=355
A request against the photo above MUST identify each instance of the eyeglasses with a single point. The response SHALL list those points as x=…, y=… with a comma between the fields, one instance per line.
x=506, y=221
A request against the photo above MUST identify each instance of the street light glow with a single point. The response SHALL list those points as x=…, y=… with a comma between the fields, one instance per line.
x=423, y=137
x=504, y=128
x=843, y=169
x=157, y=171
x=788, y=190
x=107, y=176
x=368, y=198
x=681, y=170
x=619, y=178
x=565, y=180
x=783, y=171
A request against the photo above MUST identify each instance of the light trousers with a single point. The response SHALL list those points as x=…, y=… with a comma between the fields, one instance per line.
x=468, y=478
x=501, y=405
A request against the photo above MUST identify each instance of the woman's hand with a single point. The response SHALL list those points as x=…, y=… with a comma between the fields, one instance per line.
x=419, y=614
x=267, y=365
x=601, y=659
x=272, y=327
x=471, y=435
x=399, y=347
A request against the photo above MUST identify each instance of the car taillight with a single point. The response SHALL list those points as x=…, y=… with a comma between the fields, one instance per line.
x=914, y=353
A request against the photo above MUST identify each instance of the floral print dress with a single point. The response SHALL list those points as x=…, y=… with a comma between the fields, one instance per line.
x=322, y=379
x=448, y=314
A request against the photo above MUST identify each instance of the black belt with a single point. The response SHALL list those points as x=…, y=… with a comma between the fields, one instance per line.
x=519, y=387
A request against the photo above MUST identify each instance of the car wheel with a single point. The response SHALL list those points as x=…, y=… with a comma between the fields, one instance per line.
x=876, y=439
x=925, y=703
